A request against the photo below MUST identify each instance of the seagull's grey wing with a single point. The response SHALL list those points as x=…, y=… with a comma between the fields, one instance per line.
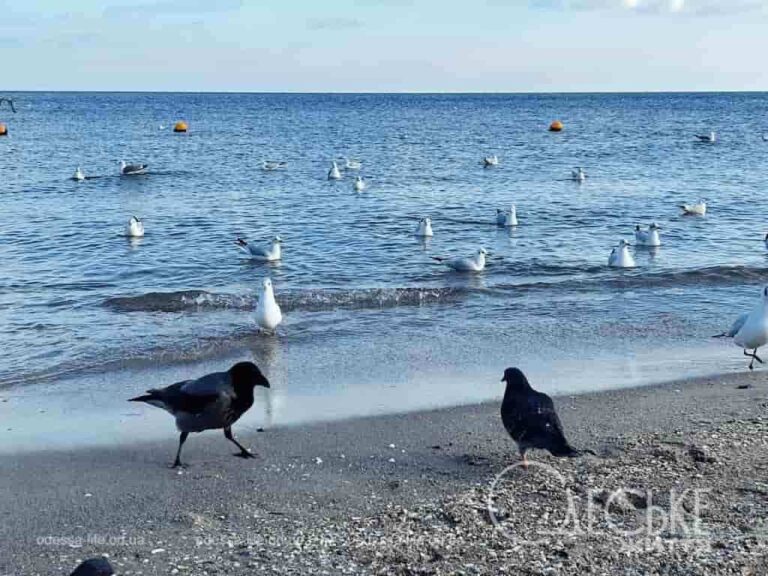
x=737, y=325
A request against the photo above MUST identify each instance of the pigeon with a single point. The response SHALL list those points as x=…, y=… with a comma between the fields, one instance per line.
x=94, y=567
x=530, y=418
x=214, y=401
x=750, y=330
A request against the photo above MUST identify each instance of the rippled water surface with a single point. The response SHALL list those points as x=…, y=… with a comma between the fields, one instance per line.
x=364, y=303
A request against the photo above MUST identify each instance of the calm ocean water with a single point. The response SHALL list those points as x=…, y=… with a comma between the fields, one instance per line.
x=365, y=306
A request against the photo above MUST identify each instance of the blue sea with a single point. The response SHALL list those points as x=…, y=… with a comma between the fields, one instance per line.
x=372, y=323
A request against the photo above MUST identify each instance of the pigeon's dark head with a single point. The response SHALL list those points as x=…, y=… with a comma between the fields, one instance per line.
x=515, y=379
x=247, y=375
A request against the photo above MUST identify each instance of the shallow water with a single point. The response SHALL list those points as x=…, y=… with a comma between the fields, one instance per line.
x=366, y=308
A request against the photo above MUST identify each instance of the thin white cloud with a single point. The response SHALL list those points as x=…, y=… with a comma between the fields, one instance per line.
x=699, y=7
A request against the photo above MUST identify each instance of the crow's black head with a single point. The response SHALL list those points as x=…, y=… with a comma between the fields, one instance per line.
x=515, y=379
x=247, y=375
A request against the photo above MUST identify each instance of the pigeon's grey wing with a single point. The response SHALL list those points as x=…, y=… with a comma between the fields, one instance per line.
x=737, y=325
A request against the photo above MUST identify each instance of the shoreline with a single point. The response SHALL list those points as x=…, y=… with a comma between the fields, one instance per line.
x=320, y=484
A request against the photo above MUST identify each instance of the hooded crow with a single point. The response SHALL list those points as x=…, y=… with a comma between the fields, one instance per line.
x=530, y=418
x=211, y=402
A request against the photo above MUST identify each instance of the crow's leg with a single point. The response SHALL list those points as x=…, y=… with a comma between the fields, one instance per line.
x=756, y=357
x=524, y=458
x=177, y=463
x=244, y=453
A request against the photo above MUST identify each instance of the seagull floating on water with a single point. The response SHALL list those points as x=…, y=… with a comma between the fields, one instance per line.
x=268, y=314
x=473, y=264
x=334, y=173
x=135, y=228
x=79, y=175
x=750, y=330
x=10, y=103
x=697, y=209
x=353, y=164
x=263, y=253
x=710, y=138
x=132, y=169
x=531, y=420
x=360, y=184
x=620, y=256
x=270, y=165
x=491, y=160
x=424, y=229
x=212, y=402
x=648, y=237
x=506, y=218
x=578, y=174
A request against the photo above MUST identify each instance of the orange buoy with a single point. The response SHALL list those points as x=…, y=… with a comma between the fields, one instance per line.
x=180, y=126
x=556, y=126
x=3, y=130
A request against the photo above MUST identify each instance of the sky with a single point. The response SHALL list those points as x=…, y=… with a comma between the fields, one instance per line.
x=384, y=45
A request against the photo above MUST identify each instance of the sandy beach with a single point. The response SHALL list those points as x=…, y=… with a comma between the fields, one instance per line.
x=409, y=494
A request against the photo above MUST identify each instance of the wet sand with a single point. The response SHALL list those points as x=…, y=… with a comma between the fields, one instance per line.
x=390, y=494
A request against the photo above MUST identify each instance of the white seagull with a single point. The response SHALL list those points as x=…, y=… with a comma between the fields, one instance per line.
x=132, y=169
x=648, y=237
x=697, y=209
x=424, y=229
x=578, y=174
x=134, y=228
x=353, y=164
x=334, y=173
x=491, y=160
x=263, y=253
x=750, y=331
x=506, y=218
x=473, y=264
x=360, y=184
x=620, y=256
x=79, y=175
x=706, y=137
x=268, y=314
x=270, y=165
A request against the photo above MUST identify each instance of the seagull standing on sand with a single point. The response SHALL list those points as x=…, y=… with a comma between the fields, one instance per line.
x=710, y=138
x=132, y=169
x=78, y=176
x=334, y=173
x=506, y=218
x=620, y=256
x=360, y=184
x=750, y=330
x=474, y=264
x=531, y=420
x=262, y=253
x=650, y=237
x=211, y=402
x=578, y=174
x=491, y=161
x=424, y=229
x=135, y=228
x=268, y=314
x=697, y=209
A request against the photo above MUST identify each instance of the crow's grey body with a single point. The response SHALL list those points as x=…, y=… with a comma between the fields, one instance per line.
x=214, y=401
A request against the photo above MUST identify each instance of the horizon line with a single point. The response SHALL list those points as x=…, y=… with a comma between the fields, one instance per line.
x=388, y=93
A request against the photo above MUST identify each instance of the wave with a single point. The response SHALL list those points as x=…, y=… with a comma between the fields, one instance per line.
x=302, y=300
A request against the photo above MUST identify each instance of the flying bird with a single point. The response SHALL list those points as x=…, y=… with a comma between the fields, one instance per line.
x=272, y=253
x=750, y=330
x=212, y=402
x=531, y=420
